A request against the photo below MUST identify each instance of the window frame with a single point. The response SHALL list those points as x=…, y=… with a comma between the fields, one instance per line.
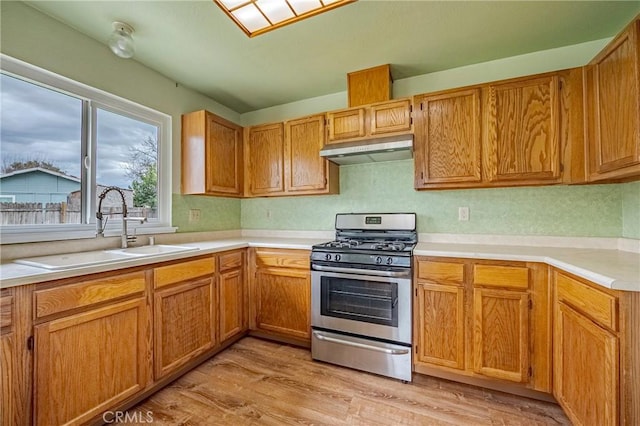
x=92, y=100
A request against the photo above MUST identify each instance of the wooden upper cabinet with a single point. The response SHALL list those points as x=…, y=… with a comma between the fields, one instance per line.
x=524, y=130
x=448, y=140
x=390, y=117
x=264, y=159
x=305, y=170
x=346, y=124
x=212, y=160
x=369, y=85
x=613, y=108
x=379, y=119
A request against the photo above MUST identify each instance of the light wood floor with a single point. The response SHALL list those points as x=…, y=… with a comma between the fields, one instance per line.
x=256, y=382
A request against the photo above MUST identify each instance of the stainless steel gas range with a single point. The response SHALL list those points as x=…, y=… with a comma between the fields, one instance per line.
x=361, y=294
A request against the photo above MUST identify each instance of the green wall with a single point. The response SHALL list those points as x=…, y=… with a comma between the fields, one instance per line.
x=587, y=210
x=33, y=37
x=594, y=210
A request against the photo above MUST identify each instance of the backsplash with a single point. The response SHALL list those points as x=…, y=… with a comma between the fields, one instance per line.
x=585, y=210
x=216, y=213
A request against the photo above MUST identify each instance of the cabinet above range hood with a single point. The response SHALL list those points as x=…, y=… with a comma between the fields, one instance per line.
x=390, y=148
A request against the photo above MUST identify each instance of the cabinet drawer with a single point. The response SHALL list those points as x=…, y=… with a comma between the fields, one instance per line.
x=298, y=259
x=230, y=260
x=59, y=299
x=516, y=277
x=167, y=275
x=600, y=306
x=441, y=272
x=6, y=307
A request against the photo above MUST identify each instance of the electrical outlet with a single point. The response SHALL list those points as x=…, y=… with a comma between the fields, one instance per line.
x=194, y=215
x=463, y=213
x=268, y=214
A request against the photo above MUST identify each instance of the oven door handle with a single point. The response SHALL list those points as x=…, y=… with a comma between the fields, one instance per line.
x=392, y=274
x=389, y=351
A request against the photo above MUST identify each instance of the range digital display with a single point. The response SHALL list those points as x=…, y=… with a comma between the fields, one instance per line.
x=373, y=220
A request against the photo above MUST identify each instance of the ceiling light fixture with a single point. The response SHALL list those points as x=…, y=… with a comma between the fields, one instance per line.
x=120, y=41
x=256, y=17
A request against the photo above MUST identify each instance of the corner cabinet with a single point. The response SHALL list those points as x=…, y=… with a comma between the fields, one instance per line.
x=612, y=89
x=281, y=295
x=94, y=352
x=284, y=159
x=185, y=313
x=264, y=160
x=596, y=360
x=477, y=321
x=212, y=158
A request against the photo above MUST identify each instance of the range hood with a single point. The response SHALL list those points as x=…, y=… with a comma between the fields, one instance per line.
x=388, y=148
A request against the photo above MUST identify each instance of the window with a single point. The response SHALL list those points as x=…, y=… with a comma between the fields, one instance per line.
x=63, y=144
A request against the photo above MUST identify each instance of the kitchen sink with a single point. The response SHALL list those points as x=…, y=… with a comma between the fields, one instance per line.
x=72, y=260
x=78, y=260
x=151, y=250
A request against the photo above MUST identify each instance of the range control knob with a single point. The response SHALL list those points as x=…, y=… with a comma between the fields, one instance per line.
x=378, y=260
x=338, y=257
x=327, y=256
x=389, y=260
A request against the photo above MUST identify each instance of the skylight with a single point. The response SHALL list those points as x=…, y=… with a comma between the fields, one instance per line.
x=256, y=17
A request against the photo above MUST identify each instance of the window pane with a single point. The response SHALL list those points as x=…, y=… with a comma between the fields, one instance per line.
x=40, y=136
x=127, y=158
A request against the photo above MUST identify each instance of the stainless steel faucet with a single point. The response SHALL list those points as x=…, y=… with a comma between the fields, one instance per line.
x=124, y=237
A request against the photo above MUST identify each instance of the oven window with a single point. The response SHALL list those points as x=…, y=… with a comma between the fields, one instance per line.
x=366, y=301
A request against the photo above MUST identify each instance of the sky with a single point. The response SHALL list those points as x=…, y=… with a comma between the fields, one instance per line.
x=41, y=124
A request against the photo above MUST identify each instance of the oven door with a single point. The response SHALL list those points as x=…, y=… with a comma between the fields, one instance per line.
x=365, y=305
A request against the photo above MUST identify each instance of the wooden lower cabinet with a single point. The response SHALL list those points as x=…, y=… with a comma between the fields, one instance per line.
x=483, y=322
x=596, y=360
x=88, y=362
x=233, y=319
x=441, y=319
x=586, y=369
x=281, y=294
x=185, y=323
x=501, y=334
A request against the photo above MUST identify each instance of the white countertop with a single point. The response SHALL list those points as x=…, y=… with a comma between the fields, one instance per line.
x=613, y=269
x=14, y=274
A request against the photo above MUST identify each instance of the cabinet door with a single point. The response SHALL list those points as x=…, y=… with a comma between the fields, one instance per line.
x=265, y=159
x=89, y=362
x=7, y=347
x=440, y=328
x=346, y=124
x=501, y=334
x=523, y=130
x=231, y=303
x=613, y=98
x=284, y=299
x=184, y=324
x=585, y=369
x=224, y=156
x=390, y=117
x=305, y=170
x=448, y=138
